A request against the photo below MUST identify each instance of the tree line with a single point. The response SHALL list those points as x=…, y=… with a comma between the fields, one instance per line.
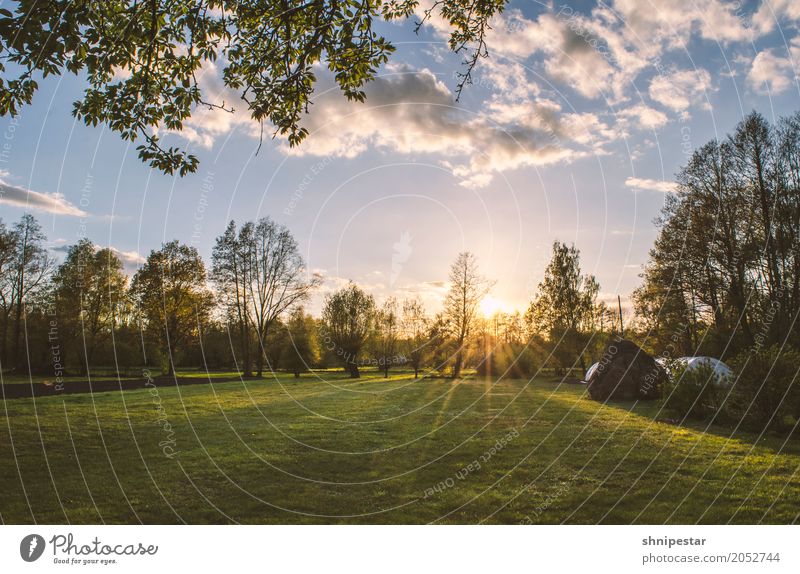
x=724, y=273
x=247, y=312
x=723, y=278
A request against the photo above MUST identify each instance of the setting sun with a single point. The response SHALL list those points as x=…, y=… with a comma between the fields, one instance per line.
x=490, y=306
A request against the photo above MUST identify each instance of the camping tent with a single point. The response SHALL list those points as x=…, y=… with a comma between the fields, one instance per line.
x=590, y=372
x=625, y=372
x=722, y=372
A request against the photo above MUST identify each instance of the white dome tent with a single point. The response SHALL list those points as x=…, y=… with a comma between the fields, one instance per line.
x=723, y=374
x=590, y=372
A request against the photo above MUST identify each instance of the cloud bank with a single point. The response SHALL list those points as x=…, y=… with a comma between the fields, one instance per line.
x=643, y=184
x=29, y=199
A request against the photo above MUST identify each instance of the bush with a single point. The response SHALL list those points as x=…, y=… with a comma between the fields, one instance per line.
x=766, y=391
x=693, y=394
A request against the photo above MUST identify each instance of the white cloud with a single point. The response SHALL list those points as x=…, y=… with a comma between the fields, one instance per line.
x=770, y=73
x=643, y=184
x=503, y=77
x=644, y=116
x=600, y=53
x=411, y=112
x=128, y=258
x=679, y=90
x=770, y=12
x=570, y=45
x=206, y=123
x=672, y=23
x=29, y=199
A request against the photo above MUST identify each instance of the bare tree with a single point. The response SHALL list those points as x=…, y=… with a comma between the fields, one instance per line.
x=231, y=273
x=30, y=270
x=277, y=280
x=8, y=256
x=467, y=288
x=387, y=329
x=415, y=327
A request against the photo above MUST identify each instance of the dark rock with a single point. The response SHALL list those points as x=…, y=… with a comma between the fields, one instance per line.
x=626, y=372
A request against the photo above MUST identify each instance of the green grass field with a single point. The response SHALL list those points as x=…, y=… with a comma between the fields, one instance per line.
x=380, y=451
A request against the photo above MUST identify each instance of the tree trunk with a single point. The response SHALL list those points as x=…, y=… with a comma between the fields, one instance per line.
x=740, y=304
x=244, y=337
x=89, y=358
x=297, y=374
x=4, y=343
x=17, y=331
x=170, y=365
x=352, y=368
x=457, y=365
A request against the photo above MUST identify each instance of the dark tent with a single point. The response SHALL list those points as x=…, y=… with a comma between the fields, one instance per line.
x=626, y=372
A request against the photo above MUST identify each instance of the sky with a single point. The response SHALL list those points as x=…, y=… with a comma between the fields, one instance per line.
x=573, y=130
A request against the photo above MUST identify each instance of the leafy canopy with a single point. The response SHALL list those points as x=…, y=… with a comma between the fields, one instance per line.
x=141, y=57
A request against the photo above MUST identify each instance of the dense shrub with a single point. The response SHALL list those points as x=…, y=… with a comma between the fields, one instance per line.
x=766, y=392
x=694, y=393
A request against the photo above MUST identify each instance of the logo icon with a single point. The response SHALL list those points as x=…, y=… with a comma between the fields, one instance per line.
x=31, y=547
x=402, y=251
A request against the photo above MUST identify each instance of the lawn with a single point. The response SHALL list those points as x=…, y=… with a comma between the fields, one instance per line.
x=309, y=450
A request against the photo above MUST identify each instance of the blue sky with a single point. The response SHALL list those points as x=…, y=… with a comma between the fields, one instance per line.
x=573, y=130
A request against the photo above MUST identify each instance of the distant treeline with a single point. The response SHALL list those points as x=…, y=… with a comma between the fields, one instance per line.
x=246, y=313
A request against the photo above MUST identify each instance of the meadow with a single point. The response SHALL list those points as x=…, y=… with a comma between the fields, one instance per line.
x=327, y=449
